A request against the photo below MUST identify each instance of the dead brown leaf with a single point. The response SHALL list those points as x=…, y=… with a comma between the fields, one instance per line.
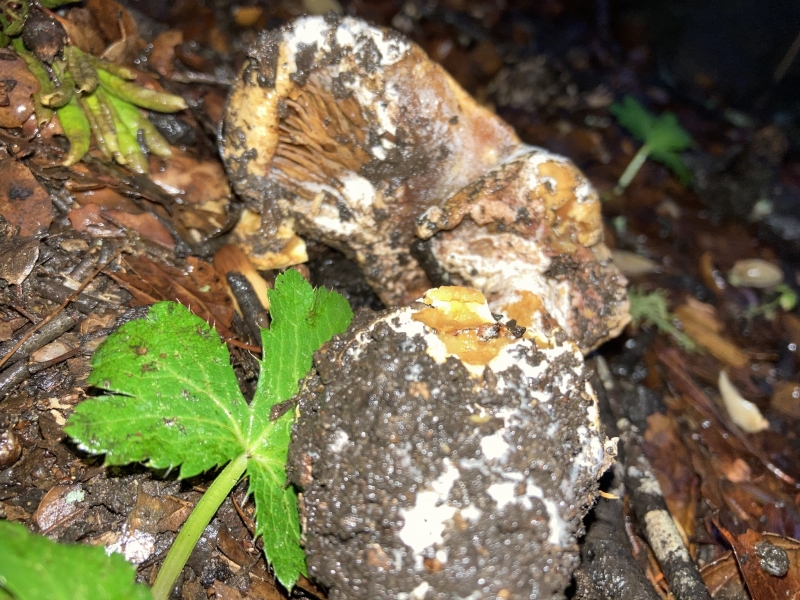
x=786, y=398
x=164, y=52
x=701, y=324
x=201, y=183
x=118, y=28
x=83, y=31
x=17, y=84
x=144, y=223
x=673, y=468
x=750, y=549
x=60, y=506
x=23, y=201
x=722, y=578
x=197, y=287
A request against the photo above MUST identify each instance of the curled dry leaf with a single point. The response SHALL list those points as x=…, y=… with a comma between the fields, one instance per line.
x=700, y=323
x=743, y=413
x=632, y=264
x=349, y=134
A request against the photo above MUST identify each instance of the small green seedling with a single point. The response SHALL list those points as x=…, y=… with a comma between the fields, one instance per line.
x=652, y=309
x=783, y=298
x=663, y=139
x=35, y=568
x=173, y=400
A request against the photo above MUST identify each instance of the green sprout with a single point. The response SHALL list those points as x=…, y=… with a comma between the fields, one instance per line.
x=663, y=139
x=91, y=97
x=785, y=299
x=652, y=309
x=173, y=401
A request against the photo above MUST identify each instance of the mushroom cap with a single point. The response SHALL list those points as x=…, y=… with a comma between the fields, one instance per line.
x=349, y=134
x=440, y=451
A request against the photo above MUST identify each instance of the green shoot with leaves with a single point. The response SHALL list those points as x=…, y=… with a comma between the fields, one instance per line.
x=663, y=139
x=173, y=401
x=35, y=568
x=652, y=309
x=91, y=97
x=783, y=298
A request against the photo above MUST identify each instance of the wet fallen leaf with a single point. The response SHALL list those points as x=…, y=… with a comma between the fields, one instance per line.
x=17, y=259
x=673, y=468
x=83, y=30
x=232, y=548
x=768, y=563
x=163, y=52
x=60, y=506
x=23, y=201
x=144, y=223
x=16, y=86
x=118, y=28
x=90, y=218
x=197, y=287
x=723, y=580
x=201, y=183
x=786, y=398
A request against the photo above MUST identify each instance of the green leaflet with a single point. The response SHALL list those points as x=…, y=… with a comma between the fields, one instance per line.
x=34, y=568
x=663, y=138
x=174, y=401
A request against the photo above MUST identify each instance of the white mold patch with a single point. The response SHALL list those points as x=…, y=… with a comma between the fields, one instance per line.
x=340, y=441
x=424, y=523
x=495, y=447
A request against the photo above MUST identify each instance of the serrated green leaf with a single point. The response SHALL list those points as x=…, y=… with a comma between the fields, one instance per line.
x=175, y=401
x=303, y=320
x=35, y=568
x=277, y=520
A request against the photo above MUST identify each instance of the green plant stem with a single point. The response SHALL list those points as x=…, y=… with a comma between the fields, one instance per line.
x=632, y=169
x=195, y=525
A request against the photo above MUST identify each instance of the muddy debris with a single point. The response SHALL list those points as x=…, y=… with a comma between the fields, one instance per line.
x=442, y=453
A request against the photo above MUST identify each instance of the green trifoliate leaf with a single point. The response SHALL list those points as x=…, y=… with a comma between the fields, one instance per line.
x=663, y=136
x=175, y=401
x=35, y=568
x=662, y=133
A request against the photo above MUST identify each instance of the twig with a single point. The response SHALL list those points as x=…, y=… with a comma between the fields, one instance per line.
x=61, y=307
x=650, y=508
x=787, y=60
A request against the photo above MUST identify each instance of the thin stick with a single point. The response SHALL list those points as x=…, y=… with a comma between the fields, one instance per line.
x=787, y=60
x=61, y=307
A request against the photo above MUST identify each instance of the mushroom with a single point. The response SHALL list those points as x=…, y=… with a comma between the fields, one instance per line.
x=443, y=454
x=349, y=134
